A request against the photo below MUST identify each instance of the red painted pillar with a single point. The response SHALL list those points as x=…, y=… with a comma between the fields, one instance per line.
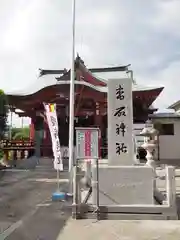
x=32, y=131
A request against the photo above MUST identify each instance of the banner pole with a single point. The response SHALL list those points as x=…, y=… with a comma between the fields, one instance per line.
x=58, y=184
x=71, y=103
x=52, y=121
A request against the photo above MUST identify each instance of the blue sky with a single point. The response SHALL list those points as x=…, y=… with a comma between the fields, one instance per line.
x=37, y=34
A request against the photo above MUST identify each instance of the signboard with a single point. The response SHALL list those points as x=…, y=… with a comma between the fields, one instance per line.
x=120, y=122
x=52, y=121
x=87, y=143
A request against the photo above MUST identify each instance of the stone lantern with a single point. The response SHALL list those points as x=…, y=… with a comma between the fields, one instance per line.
x=150, y=143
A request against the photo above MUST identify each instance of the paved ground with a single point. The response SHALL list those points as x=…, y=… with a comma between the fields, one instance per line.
x=27, y=213
x=26, y=209
x=120, y=230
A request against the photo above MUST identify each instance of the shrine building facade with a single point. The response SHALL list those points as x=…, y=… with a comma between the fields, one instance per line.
x=53, y=86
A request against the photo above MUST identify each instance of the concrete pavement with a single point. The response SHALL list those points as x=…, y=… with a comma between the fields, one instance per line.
x=120, y=230
x=26, y=209
x=125, y=230
x=27, y=213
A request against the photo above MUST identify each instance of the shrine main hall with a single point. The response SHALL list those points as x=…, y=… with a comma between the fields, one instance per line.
x=53, y=86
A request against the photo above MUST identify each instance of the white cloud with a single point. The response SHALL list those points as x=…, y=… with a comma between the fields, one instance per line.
x=167, y=18
x=37, y=34
x=170, y=79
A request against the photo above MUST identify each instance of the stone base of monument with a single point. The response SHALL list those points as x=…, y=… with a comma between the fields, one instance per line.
x=127, y=192
x=124, y=185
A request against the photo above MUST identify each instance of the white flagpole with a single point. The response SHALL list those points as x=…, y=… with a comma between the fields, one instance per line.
x=71, y=101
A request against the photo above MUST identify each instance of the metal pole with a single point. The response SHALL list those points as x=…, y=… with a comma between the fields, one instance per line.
x=58, y=184
x=71, y=101
x=75, y=185
x=97, y=187
x=131, y=75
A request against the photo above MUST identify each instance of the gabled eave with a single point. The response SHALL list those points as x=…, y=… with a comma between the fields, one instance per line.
x=174, y=105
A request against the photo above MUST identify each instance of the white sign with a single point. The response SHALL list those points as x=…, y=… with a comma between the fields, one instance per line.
x=87, y=143
x=120, y=122
x=52, y=121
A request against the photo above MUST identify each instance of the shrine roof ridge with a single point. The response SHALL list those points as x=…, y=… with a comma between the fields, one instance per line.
x=82, y=72
x=49, y=81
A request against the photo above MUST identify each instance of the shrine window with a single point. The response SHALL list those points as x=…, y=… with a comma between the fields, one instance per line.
x=166, y=129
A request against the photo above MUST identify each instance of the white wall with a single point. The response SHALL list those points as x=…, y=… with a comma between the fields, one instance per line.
x=137, y=128
x=169, y=145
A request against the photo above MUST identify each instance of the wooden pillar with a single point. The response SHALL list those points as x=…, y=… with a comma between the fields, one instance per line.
x=31, y=134
x=5, y=156
x=47, y=143
x=97, y=119
x=39, y=130
x=32, y=130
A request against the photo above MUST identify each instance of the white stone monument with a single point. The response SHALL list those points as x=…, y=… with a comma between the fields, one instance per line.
x=120, y=189
x=121, y=182
x=120, y=122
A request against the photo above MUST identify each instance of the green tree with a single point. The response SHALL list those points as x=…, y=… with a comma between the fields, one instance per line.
x=3, y=113
x=20, y=133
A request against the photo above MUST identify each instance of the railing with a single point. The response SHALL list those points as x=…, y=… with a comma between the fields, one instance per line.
x=16, y=144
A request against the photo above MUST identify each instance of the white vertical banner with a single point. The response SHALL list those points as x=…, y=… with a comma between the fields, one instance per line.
x=51, y=115
x=120, y=122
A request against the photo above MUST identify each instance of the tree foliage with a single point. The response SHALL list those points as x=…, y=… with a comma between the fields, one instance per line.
x=20, y=133
x=3, y=113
